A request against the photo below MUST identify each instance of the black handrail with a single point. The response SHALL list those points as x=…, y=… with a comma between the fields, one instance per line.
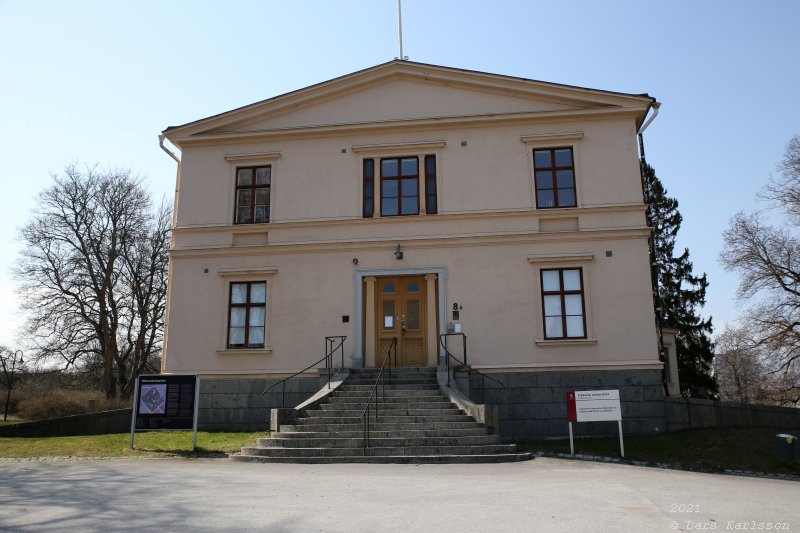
x=329, y=351
x=463, y=364
x=379, y=379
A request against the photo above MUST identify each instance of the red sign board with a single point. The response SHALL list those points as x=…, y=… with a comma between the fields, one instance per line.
x=572, y=412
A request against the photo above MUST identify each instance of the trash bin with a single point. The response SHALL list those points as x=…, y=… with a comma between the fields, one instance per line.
x=787, y=448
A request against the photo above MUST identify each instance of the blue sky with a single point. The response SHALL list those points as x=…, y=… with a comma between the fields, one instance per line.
x=95, y=82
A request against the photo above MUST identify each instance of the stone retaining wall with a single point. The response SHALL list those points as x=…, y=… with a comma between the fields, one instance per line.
x=117, y=421
x=534, y=404
x=691, y=413
x=237, y=404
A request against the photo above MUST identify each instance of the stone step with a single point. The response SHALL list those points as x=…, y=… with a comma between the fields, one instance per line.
x=387, y=434
x=383, y=412
x=389, y=459
x=389, y=393
x=405, y=370
x=382, y=418
x=347, y=397
x=349, y=387
x=379, y=442
x=372, y=450
x=335, y=405
x=393, y=381
x=373, y=426
x=410, y=421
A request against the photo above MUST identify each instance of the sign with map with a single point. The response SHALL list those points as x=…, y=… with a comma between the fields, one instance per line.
x=165, y=401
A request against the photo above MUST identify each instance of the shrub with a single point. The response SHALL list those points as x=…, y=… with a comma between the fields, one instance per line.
x=54, y=403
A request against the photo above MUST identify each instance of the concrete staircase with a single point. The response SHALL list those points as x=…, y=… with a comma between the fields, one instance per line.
x=416, y=423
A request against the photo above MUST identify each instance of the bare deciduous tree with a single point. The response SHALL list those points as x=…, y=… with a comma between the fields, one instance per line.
x=767, y=259
x=738, y=367
x=93, y=273
x=744, y=368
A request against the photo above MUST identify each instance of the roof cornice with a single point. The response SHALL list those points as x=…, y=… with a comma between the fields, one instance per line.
x=406, y=69
x=402, y=125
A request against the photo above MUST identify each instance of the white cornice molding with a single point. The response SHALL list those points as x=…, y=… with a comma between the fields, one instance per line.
x=260, y=271
x=633, y=364
x=351, y=221
x=395, y=147
x=400, y=125
x=254, y=158
x=551, y=137
x=560, y=258
x=565, y=342
x=245, y=351
x=437, y=241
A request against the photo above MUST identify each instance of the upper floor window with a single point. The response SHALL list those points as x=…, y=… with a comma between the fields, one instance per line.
x=368, y=188
x=430, y=185
x=399, y=186
x=247, y=312
x=402, y=187
x=555, y=178
x=252, y=194
x=563, y=305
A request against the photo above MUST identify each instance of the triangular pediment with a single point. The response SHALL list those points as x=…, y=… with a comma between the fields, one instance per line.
x=402, y=91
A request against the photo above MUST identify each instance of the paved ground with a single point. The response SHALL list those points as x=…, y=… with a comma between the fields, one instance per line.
x=540, y=495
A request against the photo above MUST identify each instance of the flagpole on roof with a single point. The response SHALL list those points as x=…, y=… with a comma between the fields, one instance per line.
x=400, y=29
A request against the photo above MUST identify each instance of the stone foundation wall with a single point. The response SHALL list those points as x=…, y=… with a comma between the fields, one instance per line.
x=692, y=413
x=117, y=421
x=534, y=404
x=237, y=404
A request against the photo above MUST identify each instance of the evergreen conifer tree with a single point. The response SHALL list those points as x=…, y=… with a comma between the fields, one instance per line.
x=680, y=293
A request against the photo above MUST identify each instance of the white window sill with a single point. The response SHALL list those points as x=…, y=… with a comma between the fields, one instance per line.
x=566, y=342
x=244, y=351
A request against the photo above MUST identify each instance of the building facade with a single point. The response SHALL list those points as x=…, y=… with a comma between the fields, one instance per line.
x=410, y=200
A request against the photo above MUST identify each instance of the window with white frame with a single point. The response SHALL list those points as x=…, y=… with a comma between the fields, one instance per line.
x=563, y=303
x=247, y=314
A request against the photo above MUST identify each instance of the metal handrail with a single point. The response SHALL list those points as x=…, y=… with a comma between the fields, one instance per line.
x=329, y=351
x=463, y=364
x=379, y=379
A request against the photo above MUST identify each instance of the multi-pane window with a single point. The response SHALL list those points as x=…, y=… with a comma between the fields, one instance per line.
x=252, y=194
x=368, y=191
x=247, y=315
x=399, y=183
x=555, y=178
x=562, y=302
x=430, y=184
x=399, y=186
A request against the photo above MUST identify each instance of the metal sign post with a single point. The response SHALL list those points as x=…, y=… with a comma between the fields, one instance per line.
x=197, y=405
x=133, y=411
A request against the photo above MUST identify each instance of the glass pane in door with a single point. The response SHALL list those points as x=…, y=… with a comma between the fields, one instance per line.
x=412, y=319
x=388, y=314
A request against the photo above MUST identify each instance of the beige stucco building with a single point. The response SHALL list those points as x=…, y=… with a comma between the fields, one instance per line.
x=408, y=200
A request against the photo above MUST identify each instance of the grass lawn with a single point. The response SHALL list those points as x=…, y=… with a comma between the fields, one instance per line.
x=707, y=450
x=148, y=444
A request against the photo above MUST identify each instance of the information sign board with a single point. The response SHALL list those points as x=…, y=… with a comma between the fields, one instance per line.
x=594, y=406
x=165, y=402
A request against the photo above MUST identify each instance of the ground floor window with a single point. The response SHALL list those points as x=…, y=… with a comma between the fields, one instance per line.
x=563, y=303
x=247, y=314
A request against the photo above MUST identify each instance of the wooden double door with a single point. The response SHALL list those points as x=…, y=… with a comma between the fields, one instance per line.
x=400, y=312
